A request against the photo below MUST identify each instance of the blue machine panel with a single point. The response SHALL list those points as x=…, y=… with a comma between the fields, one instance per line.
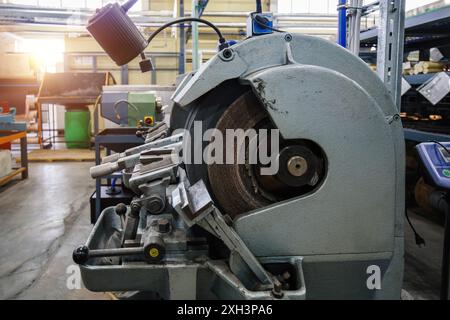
x=436, y=162
x=254, y=28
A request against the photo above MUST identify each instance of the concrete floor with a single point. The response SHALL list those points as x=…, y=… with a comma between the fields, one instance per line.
x=45, y=217
x=423, y=264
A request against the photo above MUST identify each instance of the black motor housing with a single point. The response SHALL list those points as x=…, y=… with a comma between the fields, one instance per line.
x=113, y=29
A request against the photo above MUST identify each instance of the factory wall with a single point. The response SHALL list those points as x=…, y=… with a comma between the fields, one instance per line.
x=13, y=65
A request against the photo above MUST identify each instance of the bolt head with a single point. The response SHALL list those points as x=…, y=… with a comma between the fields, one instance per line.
x=155, y=205
x=297, y=166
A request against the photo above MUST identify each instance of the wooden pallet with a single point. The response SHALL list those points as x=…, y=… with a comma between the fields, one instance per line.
x=63, y=155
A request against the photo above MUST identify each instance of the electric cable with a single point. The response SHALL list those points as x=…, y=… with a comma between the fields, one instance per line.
x=420, y=241
x=440, y=144
x=191, y=19
x=261, y=21
x=123, y=101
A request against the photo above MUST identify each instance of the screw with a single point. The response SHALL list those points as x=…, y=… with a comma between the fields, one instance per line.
x=288, y=37
x=227, y=53
x=277, y=290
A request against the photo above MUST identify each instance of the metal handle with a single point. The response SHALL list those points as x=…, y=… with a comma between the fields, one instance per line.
x=104, y=169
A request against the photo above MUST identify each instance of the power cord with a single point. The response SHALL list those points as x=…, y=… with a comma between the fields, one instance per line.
x=263, y=23
x=440, y=144
x=222, y=40
x=128, y=103
x=419, y=240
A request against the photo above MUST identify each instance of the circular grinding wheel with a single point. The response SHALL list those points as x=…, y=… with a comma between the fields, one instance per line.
x=232, y=184
x=239, y=188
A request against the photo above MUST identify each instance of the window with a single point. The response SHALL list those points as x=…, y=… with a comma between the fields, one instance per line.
x=307, y=6
x=70, y=4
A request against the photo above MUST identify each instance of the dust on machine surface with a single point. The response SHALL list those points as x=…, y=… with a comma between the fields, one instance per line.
x=314, y=228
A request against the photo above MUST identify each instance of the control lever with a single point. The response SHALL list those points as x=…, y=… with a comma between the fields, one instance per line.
x=148, y=145
x=129, y=161
x=195, y=206
x=131, y=222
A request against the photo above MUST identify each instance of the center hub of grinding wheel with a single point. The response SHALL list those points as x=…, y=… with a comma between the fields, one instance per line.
x=297, y=166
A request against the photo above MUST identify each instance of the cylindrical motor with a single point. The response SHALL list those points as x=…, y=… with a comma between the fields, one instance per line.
x=113, y=29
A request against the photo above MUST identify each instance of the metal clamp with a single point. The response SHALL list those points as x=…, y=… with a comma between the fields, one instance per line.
x=195, y=206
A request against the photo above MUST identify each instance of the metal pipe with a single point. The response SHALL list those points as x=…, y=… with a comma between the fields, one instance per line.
x=342, y=23
x=195, y=60
x=182, y=37
x=357, y=28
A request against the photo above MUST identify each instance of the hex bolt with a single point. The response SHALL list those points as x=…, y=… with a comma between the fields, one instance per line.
x=277, y=290
x=155, y=204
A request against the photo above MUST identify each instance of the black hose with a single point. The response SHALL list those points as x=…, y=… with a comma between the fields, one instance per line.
x=177, y=21
x=258, y=6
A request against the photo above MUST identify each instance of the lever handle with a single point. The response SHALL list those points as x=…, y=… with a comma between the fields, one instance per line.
x=104, y=169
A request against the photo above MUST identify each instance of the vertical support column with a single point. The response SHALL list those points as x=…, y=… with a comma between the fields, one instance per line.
x=182, y=56
x=98, y=183
x=342, y=23
x=24, y=156
x=195, y=61
x=391, y=36
x=153, y=76
x=445, y=269
x=124, y=74
x=94, y=63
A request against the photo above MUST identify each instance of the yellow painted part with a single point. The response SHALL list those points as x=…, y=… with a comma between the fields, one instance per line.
x=154, y=252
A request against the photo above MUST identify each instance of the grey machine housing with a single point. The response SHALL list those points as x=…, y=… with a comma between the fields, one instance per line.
x=335, y=236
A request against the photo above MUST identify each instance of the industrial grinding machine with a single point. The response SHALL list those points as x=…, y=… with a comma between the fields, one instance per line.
x=327, y=224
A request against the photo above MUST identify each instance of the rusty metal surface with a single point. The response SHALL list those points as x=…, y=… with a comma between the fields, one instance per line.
x=231, y=184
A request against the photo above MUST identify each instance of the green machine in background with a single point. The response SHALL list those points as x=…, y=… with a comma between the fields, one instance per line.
x=132, y=109
x=77, y=124
x=142, y=107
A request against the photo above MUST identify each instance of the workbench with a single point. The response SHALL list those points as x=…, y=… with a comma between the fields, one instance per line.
x=9, y=136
